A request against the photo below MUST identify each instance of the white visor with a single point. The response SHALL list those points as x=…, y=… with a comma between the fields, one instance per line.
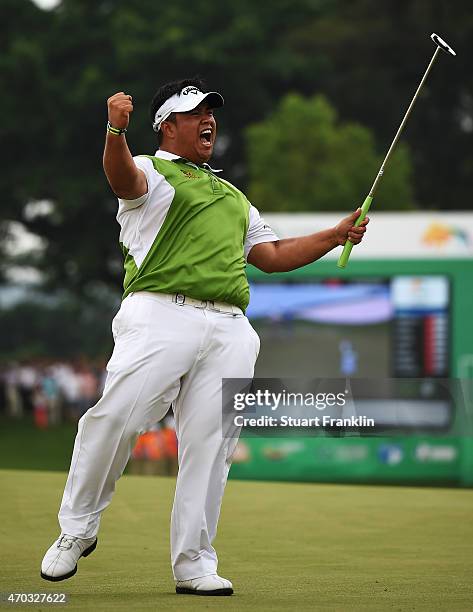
x=186, y=100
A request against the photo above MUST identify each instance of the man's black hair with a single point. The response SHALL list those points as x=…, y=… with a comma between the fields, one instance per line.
x=168, y=90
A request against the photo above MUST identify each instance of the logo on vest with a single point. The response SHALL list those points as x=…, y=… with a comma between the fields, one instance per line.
x=189, y=174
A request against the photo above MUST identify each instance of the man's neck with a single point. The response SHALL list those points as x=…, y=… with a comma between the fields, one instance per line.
x=169, y=148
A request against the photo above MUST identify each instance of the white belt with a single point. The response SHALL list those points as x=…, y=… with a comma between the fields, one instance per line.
x=185, y=300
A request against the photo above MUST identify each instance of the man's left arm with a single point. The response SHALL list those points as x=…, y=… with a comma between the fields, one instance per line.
x=292, y=253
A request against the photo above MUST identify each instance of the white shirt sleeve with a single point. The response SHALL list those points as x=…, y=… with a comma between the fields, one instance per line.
x=152, y=178
x=258, y=231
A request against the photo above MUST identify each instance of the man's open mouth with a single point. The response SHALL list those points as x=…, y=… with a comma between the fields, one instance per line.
x=206, y=136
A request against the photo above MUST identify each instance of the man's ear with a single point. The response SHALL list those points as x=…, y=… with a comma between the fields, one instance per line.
x=168, y=128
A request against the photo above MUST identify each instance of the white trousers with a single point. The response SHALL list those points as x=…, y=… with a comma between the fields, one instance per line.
x=164, y=353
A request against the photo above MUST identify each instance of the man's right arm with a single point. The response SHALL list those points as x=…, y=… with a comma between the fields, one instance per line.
x=126, y=180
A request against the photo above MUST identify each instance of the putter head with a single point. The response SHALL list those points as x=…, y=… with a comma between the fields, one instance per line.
x=442, y=44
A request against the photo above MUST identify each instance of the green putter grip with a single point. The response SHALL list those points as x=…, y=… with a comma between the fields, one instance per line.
x=343, y=259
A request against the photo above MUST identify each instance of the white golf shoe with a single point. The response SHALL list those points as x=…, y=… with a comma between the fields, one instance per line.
x=60, y=561
x=205, y=585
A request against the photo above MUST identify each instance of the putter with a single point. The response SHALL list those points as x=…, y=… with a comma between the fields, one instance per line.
x=441, y=44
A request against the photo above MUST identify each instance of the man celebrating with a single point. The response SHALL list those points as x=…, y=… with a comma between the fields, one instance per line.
x=186, y=235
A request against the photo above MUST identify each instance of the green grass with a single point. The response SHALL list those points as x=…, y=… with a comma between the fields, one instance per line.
x=284, y=546
x=25, y=447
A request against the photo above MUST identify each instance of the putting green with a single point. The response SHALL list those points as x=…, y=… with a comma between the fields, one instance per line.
x=284, y=546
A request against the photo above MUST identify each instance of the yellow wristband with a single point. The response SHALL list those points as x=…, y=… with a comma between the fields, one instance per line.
x=114, y=130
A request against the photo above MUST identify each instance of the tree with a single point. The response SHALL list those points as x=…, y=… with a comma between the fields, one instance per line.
x=58, y=68
x=57, y=71
x=59, y=328
x=371, y=56
x=301, y=159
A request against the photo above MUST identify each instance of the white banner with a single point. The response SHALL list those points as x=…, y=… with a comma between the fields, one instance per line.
x=409, y=235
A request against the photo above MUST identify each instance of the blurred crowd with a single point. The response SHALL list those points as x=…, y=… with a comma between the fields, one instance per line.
x=54, y=392
x=51, y=391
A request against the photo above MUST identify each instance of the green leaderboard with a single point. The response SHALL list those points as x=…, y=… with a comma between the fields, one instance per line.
x=379, y=318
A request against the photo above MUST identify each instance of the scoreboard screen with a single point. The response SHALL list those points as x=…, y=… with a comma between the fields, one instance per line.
x=396, y=327
x=420, y=326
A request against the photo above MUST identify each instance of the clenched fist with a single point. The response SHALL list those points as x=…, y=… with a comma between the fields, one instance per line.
x=346, y=230
x=120, y=106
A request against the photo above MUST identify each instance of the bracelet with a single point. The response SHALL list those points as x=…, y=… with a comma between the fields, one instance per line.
x=114, y=130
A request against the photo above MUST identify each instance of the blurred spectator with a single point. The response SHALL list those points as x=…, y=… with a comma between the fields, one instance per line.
x=88, y=388
x=40, y=409
x=14, y=402
x=69, y=385
x=26, y=383
x=155, y=451
x=50, y=391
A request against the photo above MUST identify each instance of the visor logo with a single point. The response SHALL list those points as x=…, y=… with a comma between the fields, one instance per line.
x=190, y=89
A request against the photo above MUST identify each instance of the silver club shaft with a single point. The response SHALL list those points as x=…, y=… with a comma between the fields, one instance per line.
x=403, y=123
